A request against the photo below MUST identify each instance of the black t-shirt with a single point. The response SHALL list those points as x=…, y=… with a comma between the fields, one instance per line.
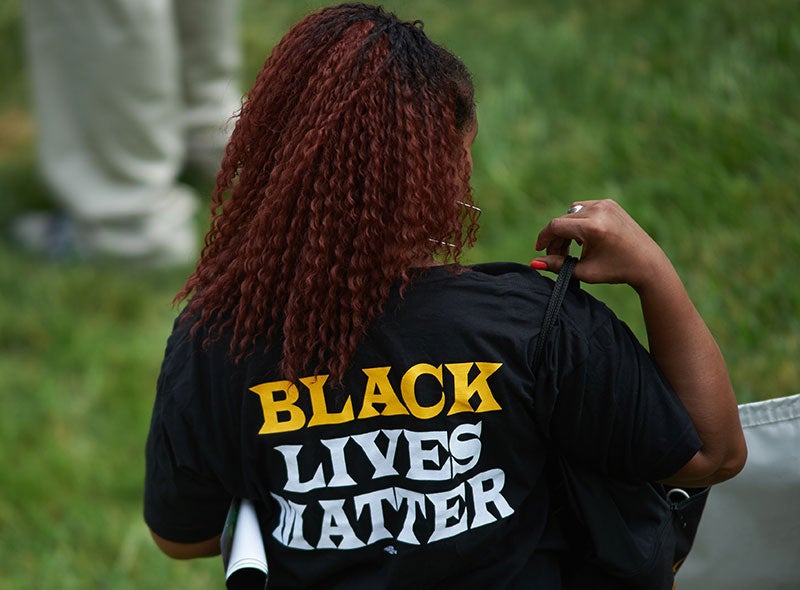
x=426, y=469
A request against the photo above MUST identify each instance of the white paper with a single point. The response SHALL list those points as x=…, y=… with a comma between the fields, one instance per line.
x=247, y=546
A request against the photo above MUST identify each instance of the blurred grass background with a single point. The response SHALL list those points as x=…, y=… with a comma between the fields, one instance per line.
x=687, y=112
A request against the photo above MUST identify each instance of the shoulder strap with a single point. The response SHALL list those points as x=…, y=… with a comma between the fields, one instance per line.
x=553, y=307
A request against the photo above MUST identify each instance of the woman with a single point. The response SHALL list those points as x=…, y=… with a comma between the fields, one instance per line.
x=375, y=404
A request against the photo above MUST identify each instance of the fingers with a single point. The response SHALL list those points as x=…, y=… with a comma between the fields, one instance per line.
x=556, y=236
x=581, y=226
x=614, y=248
x=556, y=246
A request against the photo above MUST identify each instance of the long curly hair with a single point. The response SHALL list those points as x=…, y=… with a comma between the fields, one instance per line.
x=346, y=170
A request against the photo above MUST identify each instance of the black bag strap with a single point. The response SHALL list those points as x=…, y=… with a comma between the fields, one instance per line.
x=612, y=520
x=553, y=307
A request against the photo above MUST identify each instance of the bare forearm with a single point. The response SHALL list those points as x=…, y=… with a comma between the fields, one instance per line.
x=689, y=357
x=175, y=550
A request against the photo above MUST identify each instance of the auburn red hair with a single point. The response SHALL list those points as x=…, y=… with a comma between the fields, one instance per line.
x=345, y=171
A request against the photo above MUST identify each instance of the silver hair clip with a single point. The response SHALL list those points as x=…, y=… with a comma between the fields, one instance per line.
x=463, y=204
x=448, y=244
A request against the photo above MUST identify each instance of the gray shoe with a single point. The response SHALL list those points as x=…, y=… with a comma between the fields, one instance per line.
x=48, y=235
x=56, y=237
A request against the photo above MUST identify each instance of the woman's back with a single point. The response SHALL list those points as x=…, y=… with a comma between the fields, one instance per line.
x=425, y=468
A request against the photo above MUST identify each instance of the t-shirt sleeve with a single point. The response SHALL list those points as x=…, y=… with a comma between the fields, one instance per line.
x=184, y=500
x=615, y=411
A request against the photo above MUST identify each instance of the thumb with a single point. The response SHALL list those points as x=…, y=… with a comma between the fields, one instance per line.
x=551, y=262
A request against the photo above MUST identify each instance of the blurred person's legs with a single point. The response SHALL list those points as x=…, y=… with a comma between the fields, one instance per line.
x=210, y=57
x=109, y=93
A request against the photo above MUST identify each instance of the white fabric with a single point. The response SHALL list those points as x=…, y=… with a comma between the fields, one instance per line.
x=118, y=87
x=749, y=536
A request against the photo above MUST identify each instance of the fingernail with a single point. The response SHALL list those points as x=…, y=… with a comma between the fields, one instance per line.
x=538, y=264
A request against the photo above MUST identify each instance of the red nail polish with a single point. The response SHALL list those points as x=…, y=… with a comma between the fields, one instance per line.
x=539, y=265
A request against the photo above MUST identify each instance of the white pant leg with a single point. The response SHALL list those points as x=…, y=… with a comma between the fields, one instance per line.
x=210, y=69
x=107, y=96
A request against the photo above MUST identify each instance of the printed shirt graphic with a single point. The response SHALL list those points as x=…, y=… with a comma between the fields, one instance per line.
x=426, y=481
x=424, y=469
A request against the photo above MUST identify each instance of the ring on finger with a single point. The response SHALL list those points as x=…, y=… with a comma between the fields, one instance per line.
x=574, y=209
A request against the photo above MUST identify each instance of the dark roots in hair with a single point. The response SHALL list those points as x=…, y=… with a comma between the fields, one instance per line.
x=344, y=171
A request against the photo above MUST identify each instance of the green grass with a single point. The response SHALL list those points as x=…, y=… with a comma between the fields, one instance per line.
x=685, y=111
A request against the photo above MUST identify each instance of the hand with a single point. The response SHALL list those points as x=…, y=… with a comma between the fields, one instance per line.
x=615, y=249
